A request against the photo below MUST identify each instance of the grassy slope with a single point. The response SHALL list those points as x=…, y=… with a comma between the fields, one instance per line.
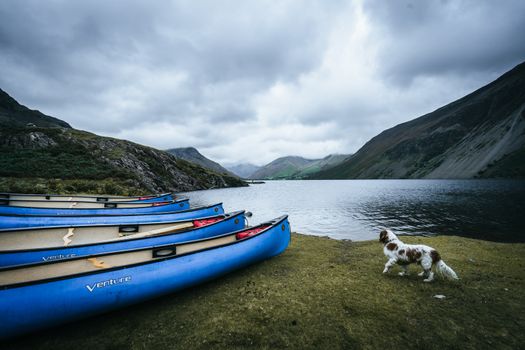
x=281, y=168
x=64, y=168
x=510, y=166
x=329, y=294
x=78, y=166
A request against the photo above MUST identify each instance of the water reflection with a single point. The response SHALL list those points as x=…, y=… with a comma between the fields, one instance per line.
x=357, y=209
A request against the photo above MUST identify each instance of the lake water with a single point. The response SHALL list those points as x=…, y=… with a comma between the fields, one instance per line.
x=358, y=209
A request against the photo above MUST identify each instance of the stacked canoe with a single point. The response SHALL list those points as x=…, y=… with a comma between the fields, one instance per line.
x=67, y=257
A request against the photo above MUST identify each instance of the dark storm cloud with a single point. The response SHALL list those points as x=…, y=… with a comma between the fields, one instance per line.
x=447, y=37
x=90, y=51
x=63, y=38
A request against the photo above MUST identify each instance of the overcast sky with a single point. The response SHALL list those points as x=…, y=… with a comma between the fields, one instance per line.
x=250, y=81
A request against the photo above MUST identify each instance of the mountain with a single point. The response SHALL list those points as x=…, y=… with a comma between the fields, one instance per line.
x=319, y=164
x=192, y=155
x=244, y=170
x=479, y=135
x=14, y=114
x=281, y=168
x=47, y=155
x=294, y=167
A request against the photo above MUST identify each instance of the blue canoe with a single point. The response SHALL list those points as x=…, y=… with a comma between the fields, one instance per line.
x=46, y=244
x=47, y=294
x=111, y=209
x=88, y=198
x=21, y=221
x=64, y=204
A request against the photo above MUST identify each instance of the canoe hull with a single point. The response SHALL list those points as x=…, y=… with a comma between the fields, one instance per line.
x=11, y=258
x=31, y=307
x=17, y=221
x=170, y=206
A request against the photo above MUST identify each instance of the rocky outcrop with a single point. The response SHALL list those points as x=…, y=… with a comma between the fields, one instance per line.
x=31, y=139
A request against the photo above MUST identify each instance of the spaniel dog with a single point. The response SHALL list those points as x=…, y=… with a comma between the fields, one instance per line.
x=403, y=254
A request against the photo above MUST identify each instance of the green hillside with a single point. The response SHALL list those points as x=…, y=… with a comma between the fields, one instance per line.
x=47, y=155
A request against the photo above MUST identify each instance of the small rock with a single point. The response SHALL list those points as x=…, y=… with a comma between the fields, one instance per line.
x=439, y=296
x=506, y=289
x=471, y=260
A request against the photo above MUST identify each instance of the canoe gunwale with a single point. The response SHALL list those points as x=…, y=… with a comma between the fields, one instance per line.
x=102, y=225
x=6, y=195
x=226, y=216
x=109, y=204
x=271, y=225
x=104, y=214
x=134, y=204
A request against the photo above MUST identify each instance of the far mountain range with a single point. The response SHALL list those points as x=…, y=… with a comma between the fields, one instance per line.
x=291, y=167
x=294, y=167
x=481, y=135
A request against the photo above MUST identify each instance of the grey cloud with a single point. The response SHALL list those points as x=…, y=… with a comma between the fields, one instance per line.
x=117, y=67
x=419, y=38
x=75, y=51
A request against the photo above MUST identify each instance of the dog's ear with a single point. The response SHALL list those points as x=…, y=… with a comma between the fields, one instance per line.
x=383, y=236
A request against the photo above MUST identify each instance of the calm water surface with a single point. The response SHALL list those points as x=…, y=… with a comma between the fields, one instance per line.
x=357, y=209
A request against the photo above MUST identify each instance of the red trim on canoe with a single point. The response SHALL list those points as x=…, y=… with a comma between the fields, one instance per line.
x=156, y=204
x=251, y=232
x=206, y=222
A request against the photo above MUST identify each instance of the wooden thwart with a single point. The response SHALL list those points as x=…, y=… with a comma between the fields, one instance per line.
x=161, y=231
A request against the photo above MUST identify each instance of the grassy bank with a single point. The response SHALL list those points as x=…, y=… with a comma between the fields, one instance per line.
x=325, y=294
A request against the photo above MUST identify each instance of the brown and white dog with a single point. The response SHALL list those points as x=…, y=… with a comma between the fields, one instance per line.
x=403, y=254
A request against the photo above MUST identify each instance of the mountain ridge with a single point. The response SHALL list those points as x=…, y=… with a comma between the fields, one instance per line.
x=13, y=113
x=466, y=138
x=280, y=168
x=191, y=154
x=296, y=167
x=243, y=170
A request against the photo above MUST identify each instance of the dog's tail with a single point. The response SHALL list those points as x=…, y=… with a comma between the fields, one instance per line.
x=445, y=270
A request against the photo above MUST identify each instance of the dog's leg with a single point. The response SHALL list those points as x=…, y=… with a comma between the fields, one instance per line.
x=426, y=264
x=423, y=273
x=389, y=264
x=430, y=277
x=405, y=270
